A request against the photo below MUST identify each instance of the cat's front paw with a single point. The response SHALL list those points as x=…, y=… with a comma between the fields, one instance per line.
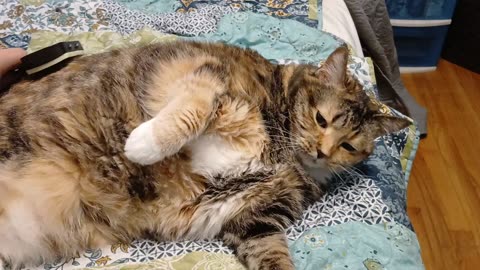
x=141, y=146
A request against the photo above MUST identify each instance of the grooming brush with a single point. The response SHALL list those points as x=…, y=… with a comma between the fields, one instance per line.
x=38, y=64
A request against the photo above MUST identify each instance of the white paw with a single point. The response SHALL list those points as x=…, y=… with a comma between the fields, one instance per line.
x=141, y=147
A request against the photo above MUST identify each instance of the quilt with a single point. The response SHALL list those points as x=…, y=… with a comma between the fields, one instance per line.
x=361, y=223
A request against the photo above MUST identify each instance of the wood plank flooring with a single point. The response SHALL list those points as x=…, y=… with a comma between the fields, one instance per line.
x=444, y=189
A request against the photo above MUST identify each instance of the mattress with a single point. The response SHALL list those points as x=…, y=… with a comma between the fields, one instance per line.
x=361, y=223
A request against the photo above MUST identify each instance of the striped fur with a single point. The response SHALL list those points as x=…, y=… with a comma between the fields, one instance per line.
x=173, y=141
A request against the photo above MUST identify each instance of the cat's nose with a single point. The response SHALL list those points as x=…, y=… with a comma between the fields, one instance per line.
x=320, y=154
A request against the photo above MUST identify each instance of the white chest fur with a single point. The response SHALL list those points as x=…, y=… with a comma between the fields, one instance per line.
x=213, y=155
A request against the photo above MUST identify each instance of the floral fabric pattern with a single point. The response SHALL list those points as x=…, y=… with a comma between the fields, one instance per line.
x=350, y=245
x=304, y=11
x=204, y=20
x=389, y=177
x=274, y=38
x=96, y=42
x=357, y=246
x=18, y=19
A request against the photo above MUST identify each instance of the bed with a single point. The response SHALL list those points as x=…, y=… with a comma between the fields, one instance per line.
x=360, y=224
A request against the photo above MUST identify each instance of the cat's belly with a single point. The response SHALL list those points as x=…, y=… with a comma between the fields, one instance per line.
x=212, y=155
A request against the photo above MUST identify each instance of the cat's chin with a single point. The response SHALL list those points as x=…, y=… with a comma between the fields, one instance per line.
x=319, y=169
x=316, y=168
x=308, y=161
x=319, y=174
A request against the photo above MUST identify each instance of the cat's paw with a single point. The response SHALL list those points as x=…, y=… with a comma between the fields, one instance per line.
x=141, y=146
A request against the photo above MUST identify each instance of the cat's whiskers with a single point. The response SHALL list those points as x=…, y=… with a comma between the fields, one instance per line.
x=335, y=173
x=345, y=171
x=286, y=148
x=278, y=128
x=282, y=131
x=351, y=172
x=355, y=169
x=285, y=143
x=286, y=140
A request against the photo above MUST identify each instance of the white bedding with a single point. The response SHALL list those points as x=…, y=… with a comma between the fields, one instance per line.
x=337, y=21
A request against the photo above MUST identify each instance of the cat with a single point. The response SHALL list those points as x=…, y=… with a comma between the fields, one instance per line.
x=180, y=140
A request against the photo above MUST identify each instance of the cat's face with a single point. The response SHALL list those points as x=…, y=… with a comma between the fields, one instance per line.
x=334, y=122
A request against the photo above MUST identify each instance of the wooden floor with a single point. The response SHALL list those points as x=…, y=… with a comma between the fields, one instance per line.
x=444, y=189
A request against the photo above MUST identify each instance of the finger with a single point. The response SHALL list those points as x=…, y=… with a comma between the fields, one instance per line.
x=10, y=58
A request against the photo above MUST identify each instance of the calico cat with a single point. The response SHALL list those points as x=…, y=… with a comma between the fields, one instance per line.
x=172, y=141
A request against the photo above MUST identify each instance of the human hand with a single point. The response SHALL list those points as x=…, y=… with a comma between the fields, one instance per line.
x=10, y=58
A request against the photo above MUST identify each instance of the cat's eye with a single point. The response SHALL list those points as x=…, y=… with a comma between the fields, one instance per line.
x=320, y=120
x=348, y=147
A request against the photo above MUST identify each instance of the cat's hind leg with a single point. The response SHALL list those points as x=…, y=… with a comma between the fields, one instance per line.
x=268, y=251
x=181, y=120
x=256, y=232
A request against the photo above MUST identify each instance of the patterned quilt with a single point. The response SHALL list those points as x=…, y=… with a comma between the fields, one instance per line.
x=360, y=224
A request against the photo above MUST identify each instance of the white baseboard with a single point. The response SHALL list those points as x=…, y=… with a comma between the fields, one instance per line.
x=416, y=69
x=419, y=23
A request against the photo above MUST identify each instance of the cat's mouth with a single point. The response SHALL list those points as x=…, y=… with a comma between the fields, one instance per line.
x=310, y=161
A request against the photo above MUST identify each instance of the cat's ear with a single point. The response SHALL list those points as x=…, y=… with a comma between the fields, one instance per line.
x=386, y=124
x=335, y=67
